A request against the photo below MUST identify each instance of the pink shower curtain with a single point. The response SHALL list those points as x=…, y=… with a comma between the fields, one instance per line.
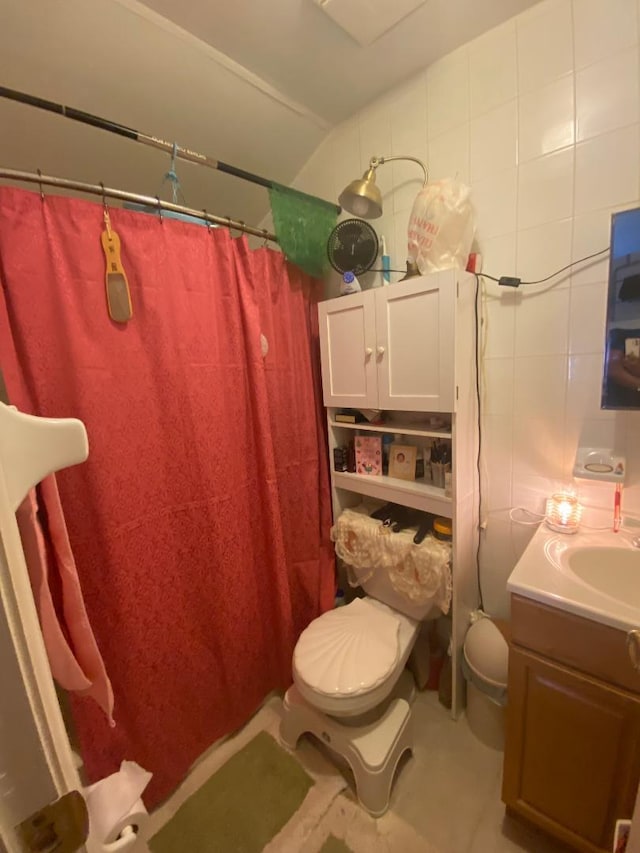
x=200, y=522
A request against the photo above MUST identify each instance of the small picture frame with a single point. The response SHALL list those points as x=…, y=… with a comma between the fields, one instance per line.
x=402, y=461
x=369, y=455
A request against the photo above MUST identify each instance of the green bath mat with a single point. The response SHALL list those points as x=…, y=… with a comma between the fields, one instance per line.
x=241, y=807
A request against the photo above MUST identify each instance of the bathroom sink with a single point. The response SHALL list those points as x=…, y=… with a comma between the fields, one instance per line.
x=595, y=574
x=613, y=571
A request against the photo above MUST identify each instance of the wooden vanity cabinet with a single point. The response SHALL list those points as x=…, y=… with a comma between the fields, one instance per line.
x=572, y=751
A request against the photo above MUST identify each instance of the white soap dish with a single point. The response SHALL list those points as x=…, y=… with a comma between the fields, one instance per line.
x=599, y=463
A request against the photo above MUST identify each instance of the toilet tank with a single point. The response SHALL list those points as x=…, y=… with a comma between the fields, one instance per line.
x=377, y=584
x=359, y=545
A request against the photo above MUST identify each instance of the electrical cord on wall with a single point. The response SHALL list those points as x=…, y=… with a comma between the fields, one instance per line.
x=513, y=281
x=541, y=516
x=479, y=453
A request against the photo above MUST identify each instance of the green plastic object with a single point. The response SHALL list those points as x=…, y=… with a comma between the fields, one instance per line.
x=302, y=224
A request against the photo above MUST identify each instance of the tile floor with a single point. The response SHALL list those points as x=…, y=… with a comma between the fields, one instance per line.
x=449, y=792
x=445, y=799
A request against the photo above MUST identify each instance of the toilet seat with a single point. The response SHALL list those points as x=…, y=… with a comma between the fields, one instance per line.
x=348, y=660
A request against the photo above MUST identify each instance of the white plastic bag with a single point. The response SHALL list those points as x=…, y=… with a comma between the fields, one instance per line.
x=441, y=226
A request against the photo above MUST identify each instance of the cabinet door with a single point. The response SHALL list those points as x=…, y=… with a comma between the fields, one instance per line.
x=415, y=344
x=347, y=351
x=572, y=753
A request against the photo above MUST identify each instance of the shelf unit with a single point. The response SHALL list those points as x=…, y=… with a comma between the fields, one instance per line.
x=394, y=428
x=437, y=382
x=411, y=493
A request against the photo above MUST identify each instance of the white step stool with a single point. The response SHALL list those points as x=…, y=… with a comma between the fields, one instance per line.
x=372, y=751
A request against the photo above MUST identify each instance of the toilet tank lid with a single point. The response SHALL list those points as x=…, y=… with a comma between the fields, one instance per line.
x=486, y=651
x=349, y=650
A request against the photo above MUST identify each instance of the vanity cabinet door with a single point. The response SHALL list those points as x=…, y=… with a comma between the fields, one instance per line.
x=348, y=351
x=572, y=753
x=415, y=334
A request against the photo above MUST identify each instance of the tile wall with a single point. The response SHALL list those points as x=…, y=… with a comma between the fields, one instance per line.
x=541, y=117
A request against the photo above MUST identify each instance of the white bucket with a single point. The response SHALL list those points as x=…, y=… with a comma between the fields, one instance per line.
x=485, y=667
x=485, y=717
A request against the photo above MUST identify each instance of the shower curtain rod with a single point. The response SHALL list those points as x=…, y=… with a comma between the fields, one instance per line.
x=144, y=138
x=123, y=195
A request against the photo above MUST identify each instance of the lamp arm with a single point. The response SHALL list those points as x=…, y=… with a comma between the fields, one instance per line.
x=378, y=161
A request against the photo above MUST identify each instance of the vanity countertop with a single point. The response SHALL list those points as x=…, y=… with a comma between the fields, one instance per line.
x=591, y=574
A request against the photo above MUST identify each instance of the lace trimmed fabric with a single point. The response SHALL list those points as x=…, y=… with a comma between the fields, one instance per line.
x=420, y=572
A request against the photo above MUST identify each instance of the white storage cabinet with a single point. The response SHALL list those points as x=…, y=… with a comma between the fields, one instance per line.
x=408, y=349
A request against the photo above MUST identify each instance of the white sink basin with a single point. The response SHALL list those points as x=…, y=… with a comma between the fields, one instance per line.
x=613, y=571
x=592, y=574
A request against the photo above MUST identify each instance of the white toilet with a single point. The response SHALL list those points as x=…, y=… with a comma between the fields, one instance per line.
x=349, y=689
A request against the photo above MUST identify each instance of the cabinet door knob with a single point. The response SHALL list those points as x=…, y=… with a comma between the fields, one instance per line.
x=380, y=351
x=368, y=352
x=633, y=647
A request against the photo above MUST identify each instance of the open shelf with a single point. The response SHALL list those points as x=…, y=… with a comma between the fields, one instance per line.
x=413, y=493
x=396, y=427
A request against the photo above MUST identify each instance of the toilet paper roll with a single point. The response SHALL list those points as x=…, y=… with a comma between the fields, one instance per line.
x=114, y=803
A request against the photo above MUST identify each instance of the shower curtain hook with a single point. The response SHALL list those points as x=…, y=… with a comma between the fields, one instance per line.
x=208, y=224
x=159, y=208
x=265, y=238
x=228, y=218
x=40, y=185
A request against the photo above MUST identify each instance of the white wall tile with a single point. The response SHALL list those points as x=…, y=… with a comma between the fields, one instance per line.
x=497, y=387
x=545, y=43
x=583, y=403
x=401, y=226
x=607, y=170
x=449, y=154
x=545, y=189
x=502, y=546
x=494, y=199
x=543, y=250
x=344, y=156
x=538, y=426
x=531, y=492
x=317, y=175
x=584, y=388
x=587, y=316
x=499, y=326
x=493, y=68
x=498, y=441
x=607, y=95
x=542, y=322
x=408, y=180
x=538, y=451
x=540, y=387
x=591, y=233
x=493, y=141
x=408, y=116
x=546, y=119
x=498, y=257
x=448, y=93
x=375, y=140
x=603, y=28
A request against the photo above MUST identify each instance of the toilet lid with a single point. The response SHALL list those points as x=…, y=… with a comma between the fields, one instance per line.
x=348, y=650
